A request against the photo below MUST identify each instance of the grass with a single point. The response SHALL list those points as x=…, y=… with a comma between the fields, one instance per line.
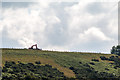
x=60, y=60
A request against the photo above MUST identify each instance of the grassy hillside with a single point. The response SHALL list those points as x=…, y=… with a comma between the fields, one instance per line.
x=63, y=61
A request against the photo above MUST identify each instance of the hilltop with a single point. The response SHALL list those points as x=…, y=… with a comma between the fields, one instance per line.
x=71, y=64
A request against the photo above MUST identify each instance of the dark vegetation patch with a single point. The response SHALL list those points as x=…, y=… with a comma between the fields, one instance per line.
x=92, y=63
x=107, y=69
x=88, y=72
x=116, y=60
x=29, y=71
x=103, y=58
x=96, y=60
x=37, y=62
x=80, y=62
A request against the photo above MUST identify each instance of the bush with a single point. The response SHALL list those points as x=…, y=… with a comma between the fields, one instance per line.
x=115, y=67
x=29, y=71
x=112, y=58
x=107, y=69
x=86, y=72
x=96, y=60
x=80, y=62
x=72, y=68
x=92, y=63
x=37, y=62
x=116, y=60
x=103, y=58
x=91, y=74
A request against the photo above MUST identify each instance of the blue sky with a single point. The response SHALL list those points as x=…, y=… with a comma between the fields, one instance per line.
x=64, y=26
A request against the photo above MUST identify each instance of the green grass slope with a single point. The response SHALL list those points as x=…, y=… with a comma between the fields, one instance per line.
x=61, y=60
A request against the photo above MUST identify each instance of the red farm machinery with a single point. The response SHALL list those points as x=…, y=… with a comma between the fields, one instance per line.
x=36, y=48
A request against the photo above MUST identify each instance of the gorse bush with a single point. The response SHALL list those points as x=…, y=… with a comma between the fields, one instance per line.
x=29, y=71
x=92, y=63
x=103, y=58
x=37, y=62
x=96, y=60
x=87, y=72
x=116, y=60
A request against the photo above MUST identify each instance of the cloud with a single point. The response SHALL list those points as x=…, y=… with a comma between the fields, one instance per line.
x=27, y=25
x=26, y=42
x=82, y=18
x=93, y=33
x=62, y=26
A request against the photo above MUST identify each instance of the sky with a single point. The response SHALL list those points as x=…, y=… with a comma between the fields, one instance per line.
x=63, y=26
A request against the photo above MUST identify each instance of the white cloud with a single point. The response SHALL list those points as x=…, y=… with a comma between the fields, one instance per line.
x=25, y=24
x=93, y=33
x=81, y=19
x=26, y=42
x=101, y=15
x=38, y=23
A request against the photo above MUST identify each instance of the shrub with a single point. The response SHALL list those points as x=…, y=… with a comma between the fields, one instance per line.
x=48, y=65
x=96, y=60
x=106, y=69
x=91, y=74
x=80, y=62
x=111, y=63
x=72, y=68
x=103, y=58
x=37, y=62
x=29, y=71
x=115, y=67
x=92, y=63
x=112, y=58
